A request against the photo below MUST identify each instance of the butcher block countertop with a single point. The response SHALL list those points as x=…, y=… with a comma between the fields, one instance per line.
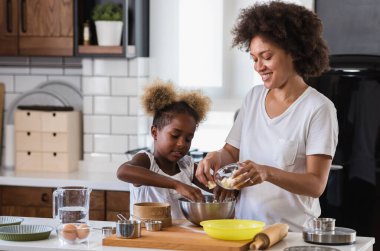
x=95, y=241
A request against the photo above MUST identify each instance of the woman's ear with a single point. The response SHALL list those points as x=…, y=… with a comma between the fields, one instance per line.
x=153, y=132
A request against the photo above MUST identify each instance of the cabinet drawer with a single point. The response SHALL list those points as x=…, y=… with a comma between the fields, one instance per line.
x=60, y=121
x=97, y=200
x=28, y=141
x=57, y=162
x=26, y=120
x=117, y=201
x=26, y=196
x=28, y=161
x=54, y=142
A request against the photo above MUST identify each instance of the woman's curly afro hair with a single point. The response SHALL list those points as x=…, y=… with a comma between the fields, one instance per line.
x=164, y=102
x=292, y=27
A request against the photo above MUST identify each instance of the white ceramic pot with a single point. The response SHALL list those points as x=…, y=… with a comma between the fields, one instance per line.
x=109, y=32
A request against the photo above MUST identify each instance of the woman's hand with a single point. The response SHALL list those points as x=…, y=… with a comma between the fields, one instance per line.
x=211, y=161
x=249, y=174
x=189, y=192
x=221, y=194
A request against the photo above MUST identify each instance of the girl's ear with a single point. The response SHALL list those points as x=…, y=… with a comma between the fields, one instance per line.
x=153, y=132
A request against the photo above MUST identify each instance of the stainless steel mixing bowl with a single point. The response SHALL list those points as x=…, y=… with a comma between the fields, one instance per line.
x=196, y=212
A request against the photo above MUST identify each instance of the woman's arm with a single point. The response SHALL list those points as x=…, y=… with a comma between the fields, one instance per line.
x=136, y=171
x=214, y=160
x=311, y=183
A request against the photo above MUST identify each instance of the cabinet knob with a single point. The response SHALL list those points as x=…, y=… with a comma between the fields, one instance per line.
x=45, y=197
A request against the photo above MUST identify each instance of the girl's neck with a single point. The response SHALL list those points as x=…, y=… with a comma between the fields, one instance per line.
x=168, y=167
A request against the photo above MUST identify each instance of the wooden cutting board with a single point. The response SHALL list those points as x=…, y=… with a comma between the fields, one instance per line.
x=177, y=237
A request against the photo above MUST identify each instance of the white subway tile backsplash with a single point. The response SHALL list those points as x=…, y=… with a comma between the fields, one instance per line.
x=124, y=86
x=129, y=125
x=88, y=143
x=97, y=157
x=74, y=81
x=119, y=159
x=8, y=82
x=46, y=71
x=138, y=141
x=110, y=143
x=14, y=70
x=87, y=67
x=111, y=105
x=72, y=71
x=113, y=119
x=96, y=85
x=9, y=98
x=96, y=124
x=110, y=67
x=139, y=67
x=135, y=107
x=88, y=105
x=26, y=83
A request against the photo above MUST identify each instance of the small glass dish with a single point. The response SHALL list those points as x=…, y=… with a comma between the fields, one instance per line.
x=223, y=176
x=74, y=233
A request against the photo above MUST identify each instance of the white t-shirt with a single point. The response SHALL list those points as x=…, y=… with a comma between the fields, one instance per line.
x=159, y=194
x=309, y=126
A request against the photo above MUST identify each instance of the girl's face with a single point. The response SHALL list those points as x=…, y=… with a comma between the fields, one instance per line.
x=173, y=141
x=274, y=65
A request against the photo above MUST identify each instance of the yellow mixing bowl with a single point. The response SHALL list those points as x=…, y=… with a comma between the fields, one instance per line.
x=232, y=229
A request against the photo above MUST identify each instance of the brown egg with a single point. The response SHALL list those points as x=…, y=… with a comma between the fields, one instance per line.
x=83, y=230
x=69, y=232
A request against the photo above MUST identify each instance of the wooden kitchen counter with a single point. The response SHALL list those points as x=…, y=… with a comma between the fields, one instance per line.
x=95, y=241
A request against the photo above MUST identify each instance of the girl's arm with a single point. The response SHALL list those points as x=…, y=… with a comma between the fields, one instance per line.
x=136, y=171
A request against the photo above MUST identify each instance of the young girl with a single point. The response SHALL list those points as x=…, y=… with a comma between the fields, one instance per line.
x=168, y=173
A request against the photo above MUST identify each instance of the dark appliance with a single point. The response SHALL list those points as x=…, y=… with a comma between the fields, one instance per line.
x=351, y=195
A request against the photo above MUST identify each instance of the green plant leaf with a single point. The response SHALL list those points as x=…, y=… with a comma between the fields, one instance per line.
x=108, y=11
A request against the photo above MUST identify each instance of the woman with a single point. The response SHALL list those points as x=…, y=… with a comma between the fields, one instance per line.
x=285, y=135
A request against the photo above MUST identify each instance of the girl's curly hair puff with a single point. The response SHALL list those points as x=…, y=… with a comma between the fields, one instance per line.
x=292, y=27
x=158, y=95
x=161, y=100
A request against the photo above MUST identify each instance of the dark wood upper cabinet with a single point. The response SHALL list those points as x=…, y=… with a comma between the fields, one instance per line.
x=8, y=27
x=37, y=27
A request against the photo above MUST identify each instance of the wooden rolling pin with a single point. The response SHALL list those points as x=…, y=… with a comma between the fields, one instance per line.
x=269, y=236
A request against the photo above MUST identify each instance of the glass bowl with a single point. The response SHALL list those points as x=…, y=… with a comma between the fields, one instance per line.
x=74, y=233
x=223, y=176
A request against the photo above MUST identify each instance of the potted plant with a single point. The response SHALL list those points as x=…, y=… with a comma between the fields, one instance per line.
x=108, y=22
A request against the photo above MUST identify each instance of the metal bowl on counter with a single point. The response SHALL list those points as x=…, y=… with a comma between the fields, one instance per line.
x=211, y=209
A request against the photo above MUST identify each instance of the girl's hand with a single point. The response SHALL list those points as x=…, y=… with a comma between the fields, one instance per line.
x=211, y=161
x=249, y=174
x=221, y=194
x=189, y=192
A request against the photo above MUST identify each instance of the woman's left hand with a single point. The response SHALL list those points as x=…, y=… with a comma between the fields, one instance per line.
x=249, y=174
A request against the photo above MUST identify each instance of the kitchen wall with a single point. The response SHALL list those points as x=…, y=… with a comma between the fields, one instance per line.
x=113, y=121
x=237, y=74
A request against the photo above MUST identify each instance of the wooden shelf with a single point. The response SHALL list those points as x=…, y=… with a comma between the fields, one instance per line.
x=95, y=49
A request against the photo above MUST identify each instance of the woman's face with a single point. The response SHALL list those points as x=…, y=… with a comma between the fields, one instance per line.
x=174, y=140
x=274, y=65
